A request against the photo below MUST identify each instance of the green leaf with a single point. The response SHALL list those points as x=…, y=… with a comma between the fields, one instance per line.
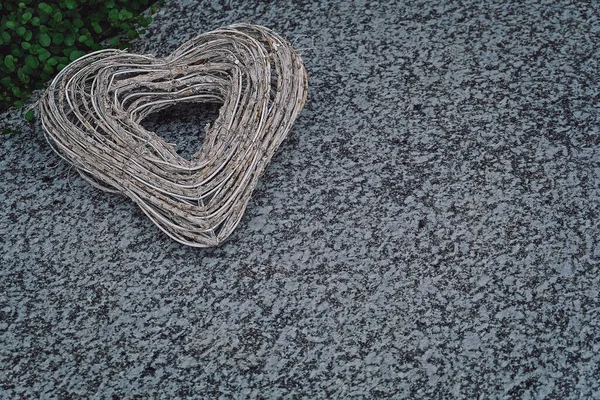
x=82, y=38
x=45, y=40
x=145, y=21
x=26, y=16
x=78, y=22
x=71, y=4
x=113, y=15
x=45, y=8
x=58, y=38
x=57, y=16
x=52, y=61
x=11, y=24
x=6, y=36
x=124, y=14
x=26, y=45
x=29, y=115
x=76, y=54
x=21, y=30
x=97, y=27
x=69, y=50
x=28, y=35
x=36, y=21
x=18, y=104
x=23, y=76
x=32, y=61
x=9, y=62
x=44, y=55
x=69, y=39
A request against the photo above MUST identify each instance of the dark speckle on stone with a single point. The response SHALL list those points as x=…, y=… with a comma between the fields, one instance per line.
x=429, y=229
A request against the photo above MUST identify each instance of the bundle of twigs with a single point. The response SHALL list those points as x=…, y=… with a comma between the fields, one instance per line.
x=92, y=111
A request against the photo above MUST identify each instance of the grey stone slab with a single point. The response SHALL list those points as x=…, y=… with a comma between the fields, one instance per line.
x=429, y=229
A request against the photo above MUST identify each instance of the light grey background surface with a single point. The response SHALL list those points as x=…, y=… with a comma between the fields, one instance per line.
x=429, y=229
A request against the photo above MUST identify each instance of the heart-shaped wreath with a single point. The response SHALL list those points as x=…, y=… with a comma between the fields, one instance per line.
x=92, y=110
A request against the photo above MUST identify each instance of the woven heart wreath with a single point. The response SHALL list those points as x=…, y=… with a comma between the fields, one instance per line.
x=93, y=109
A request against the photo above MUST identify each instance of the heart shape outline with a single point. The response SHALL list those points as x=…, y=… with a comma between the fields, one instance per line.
x=92, y=110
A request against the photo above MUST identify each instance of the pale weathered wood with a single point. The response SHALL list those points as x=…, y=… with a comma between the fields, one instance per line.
x=92, y=113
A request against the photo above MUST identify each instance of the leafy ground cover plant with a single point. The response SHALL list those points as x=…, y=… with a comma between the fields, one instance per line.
x=38, y=39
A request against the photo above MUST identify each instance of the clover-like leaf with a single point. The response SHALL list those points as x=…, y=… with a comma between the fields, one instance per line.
x=45, y=8
x=76, y=54
x=44, y=55
x=32, y=61
x=23, y=76
x=45, y=40
x=97, y=28
x=58, y=38
x=9, y=62
x=69, y=40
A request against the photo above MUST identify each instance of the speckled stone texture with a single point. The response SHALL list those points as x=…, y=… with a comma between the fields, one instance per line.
x=429, y=229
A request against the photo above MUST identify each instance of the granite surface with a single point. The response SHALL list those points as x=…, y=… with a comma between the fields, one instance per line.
x=429, y=229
